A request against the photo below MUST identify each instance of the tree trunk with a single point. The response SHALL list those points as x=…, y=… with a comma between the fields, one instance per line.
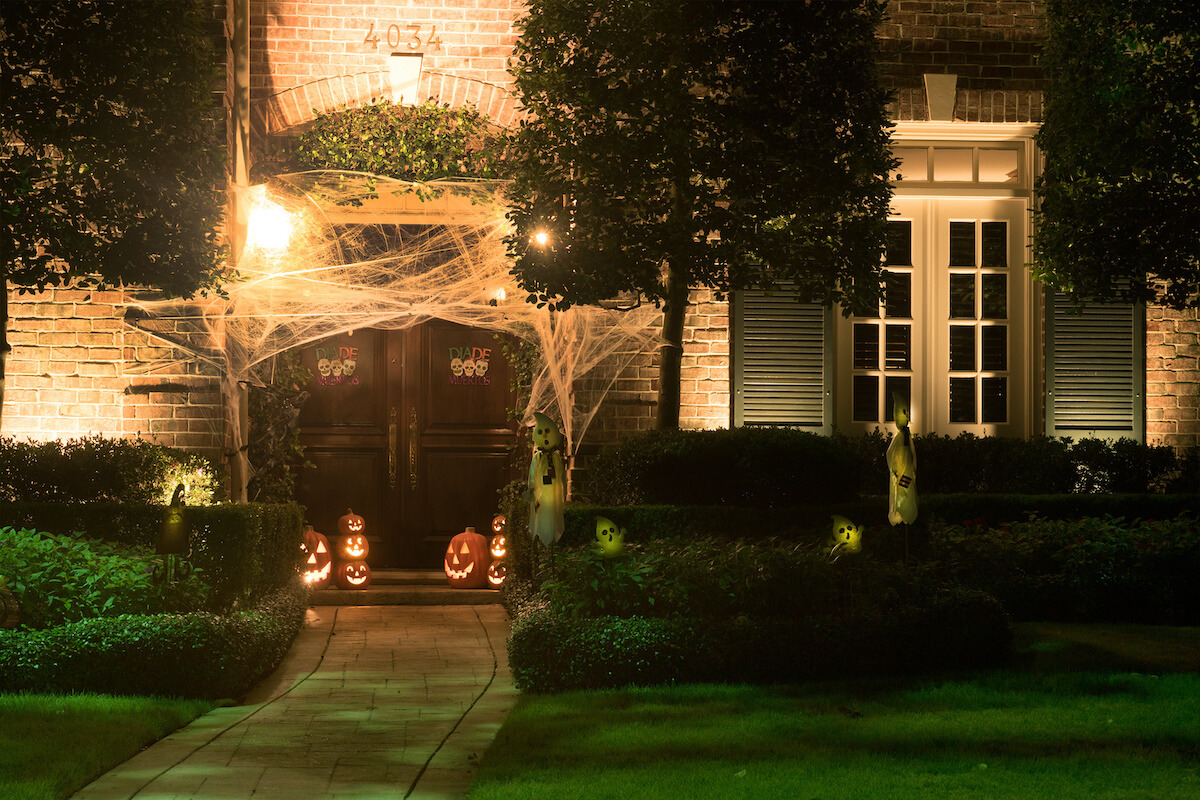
x=5, y=348
x=671, y=353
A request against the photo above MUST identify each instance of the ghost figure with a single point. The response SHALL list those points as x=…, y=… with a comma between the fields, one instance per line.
x=847, y=538
x=547, y=481
x=902, y=466
x=323, y=367
x=610, y=540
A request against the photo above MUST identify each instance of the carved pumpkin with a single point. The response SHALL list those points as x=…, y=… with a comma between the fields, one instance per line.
x=467, y=560
x=318, y=560
x=352, y=575
x=497, y=572
x=351, y=523
x=499, y=547
x=499, y=524
x=353, y=547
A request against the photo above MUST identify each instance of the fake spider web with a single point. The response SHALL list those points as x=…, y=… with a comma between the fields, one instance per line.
x=348, y=265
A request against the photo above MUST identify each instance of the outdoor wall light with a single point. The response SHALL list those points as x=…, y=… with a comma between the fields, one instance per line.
x=269, y=225
x=540, y=238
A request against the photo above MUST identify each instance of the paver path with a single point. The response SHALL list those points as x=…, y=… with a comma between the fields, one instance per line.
x=372, y=702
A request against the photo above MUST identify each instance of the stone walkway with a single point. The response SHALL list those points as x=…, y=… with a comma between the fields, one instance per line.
x=371, y=702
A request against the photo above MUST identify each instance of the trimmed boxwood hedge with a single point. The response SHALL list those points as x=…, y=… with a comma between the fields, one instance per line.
x=244, y=549
x=196, y=655
x=952, y=629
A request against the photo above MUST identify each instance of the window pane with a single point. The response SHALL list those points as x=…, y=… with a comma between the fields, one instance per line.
x=898, y=347
x=899, y=242
x=962, y=244
x=995, y=399
x=897, y=300
x=891, y=384
x=962, y=297
x=914, y=164
x=962, y=347
x=866, y=346
x=995, y=297
x=962, y=400
x=998, y=166
x=952, y=164
x=995, y=348
x=995, y=245
x=866, y=398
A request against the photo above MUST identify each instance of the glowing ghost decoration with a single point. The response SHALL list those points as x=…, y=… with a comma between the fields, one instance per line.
x=847, y=538
x=610, y=540
x=902, y=468
x=456, y=366
x=547, y=481
x=176, y=532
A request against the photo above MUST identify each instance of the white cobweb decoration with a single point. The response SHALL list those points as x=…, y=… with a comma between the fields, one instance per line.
x=362, y=254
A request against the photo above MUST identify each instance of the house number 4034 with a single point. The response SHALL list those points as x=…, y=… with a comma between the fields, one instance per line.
x=410, y=35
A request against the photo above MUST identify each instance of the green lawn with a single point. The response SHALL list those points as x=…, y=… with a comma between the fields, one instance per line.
x=1037, y=731
x=51, y=746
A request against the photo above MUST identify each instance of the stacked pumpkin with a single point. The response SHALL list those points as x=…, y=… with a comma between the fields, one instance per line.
x=469, y=564
x=352, y=571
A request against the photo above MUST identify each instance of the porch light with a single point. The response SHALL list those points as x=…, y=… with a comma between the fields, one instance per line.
x=269, y=226
x=540, y=238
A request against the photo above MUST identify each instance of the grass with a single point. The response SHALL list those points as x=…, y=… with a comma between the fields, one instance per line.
x=1040, y=730
x=51, y=746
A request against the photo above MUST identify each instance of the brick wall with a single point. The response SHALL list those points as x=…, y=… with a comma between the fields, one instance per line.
x=77, y=369
x=991, y=46
x=1172, y=377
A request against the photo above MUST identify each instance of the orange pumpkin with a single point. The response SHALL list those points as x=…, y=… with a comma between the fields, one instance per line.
x=499, y=546
x=499, y=524
x=467, y=560
x=351, y=523
x=317, y=559
x=353, y=547
x=497, y=572
x=352, y=575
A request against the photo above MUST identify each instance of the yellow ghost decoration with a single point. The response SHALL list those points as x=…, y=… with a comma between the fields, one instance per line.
x=847, y=538
x=610, y=540
x=547, y=481
x=902, y=466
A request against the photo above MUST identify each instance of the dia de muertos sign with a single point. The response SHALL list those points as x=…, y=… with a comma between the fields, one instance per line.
x=469, y=366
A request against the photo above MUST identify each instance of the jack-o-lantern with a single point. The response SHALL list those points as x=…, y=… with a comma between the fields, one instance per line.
x=499, y=547
x=497, y=572
x=499, y=524
x=351, y=523
x=353, y=547
x=352, y=575
x=467, y=560
x=317, y=559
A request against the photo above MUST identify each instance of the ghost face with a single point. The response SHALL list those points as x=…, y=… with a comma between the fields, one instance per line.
x=323, y=367
x=610, y=540
x=456, y=366
x=546, y=435
x=469, y=367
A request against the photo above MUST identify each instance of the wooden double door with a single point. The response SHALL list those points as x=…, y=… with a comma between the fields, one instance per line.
x=410, y=429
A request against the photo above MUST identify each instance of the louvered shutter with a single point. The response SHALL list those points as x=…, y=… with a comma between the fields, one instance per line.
x=1095, y=370
x=779, y=362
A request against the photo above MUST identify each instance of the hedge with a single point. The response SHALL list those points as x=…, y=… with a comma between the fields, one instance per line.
x=244, y=549
x=196, y=655
x=954, y=629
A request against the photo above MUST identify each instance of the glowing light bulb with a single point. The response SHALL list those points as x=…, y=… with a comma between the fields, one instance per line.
x=269, y=226
x=499, y=295
x=540, y=238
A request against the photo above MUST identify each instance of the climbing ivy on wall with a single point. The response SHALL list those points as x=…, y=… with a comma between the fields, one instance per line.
x=413, y=143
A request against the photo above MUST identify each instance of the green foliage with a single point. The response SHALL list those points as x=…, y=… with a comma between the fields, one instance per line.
x=1119, y=198
x=98, y=468
x=1094, y=569
x=111, y=165
x=275, y=451
x=411, y=143
x=243, y=550
x=59, y=579
x=198, y=655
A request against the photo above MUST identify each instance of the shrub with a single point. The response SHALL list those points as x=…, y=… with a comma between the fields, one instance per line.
x=96, y=468
x=197, y=655
x=59, y=579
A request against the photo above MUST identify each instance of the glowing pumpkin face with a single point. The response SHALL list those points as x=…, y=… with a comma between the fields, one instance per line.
x=499, y=524
x=610, y=540
x=350, y=523
x=497, y=572
x=499, y=546
x=317, y=566
x=352, y=575
x=546, y=435
x=467, y=560
x=353, y=547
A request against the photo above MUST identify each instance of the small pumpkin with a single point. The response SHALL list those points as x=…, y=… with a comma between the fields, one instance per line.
x=499, y=524
x=497, y=572
x=467, y=560
x=353, y=547
x=352, y=575
x=317, y=565
x=351, y=523
x=499, y=546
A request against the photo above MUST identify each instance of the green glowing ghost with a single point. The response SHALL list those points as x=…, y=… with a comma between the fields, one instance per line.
x=610, y=540
x=547, y=481
x=902, y=466
x=847, y=538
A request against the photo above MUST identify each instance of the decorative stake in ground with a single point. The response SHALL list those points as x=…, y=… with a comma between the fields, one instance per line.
x=847, y=538
x=610, y=540
x=174, y=539
x=902, y=464
x=547, y=481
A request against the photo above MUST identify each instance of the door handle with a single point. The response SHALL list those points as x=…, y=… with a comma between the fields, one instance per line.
x=412, y=449
x=393, y=443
